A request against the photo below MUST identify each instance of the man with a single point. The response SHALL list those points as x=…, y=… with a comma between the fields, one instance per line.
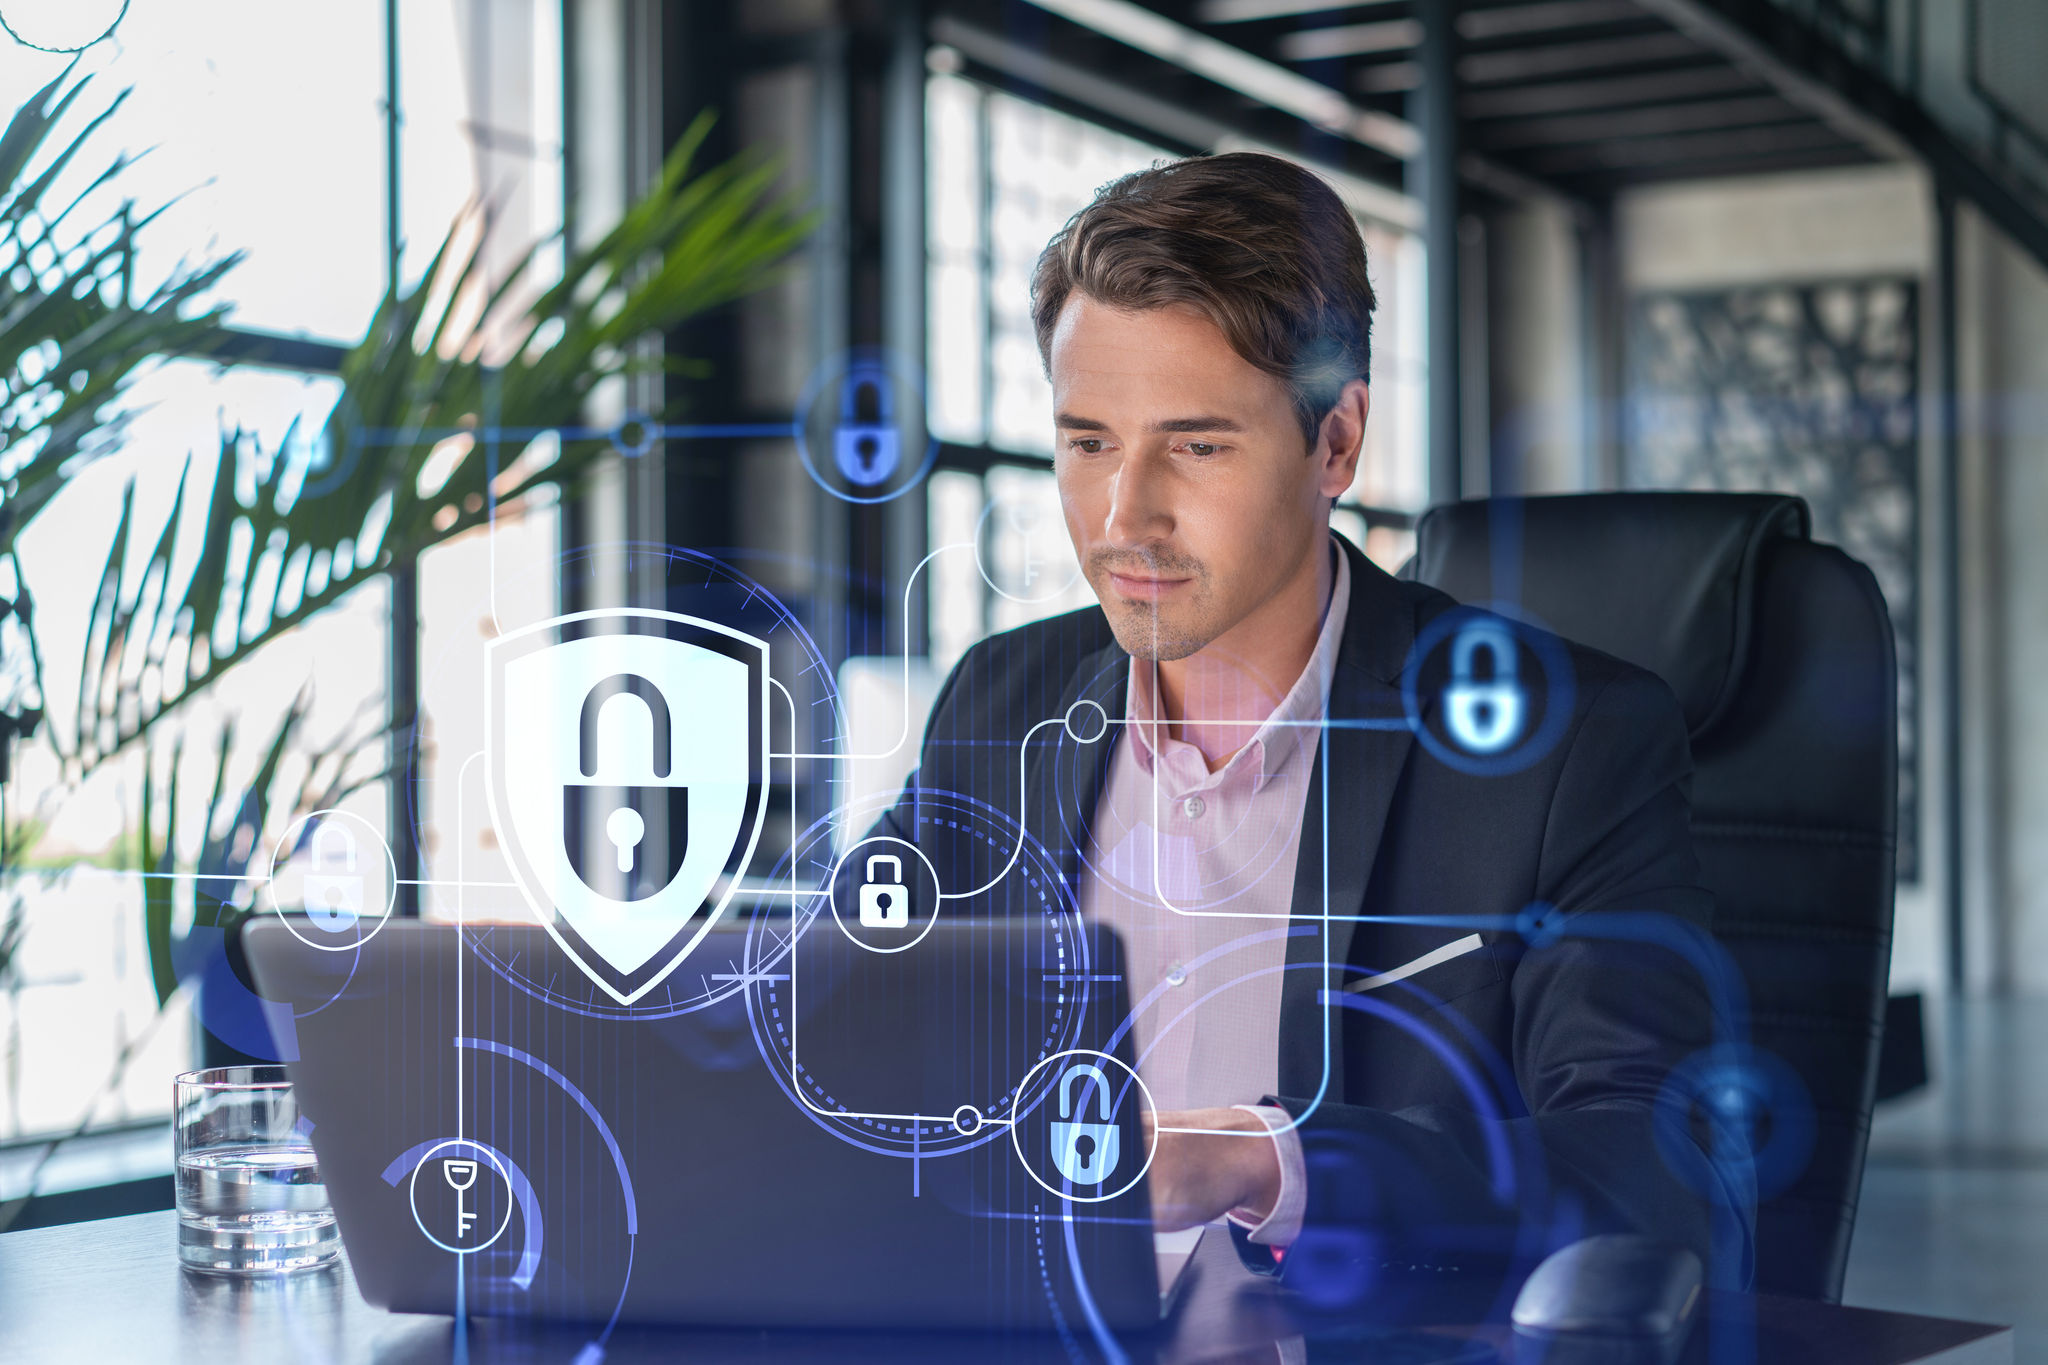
x=1360, y=1026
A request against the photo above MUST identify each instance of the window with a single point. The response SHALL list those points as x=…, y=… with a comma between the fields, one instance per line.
x=1004, y=175
x=266, y=132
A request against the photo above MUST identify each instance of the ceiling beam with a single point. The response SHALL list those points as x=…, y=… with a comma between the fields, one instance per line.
x=1654, y=121
x=1628, y=153
x=1267, y=82
x=1350, y=40
x=1608, y=92
x=1251, y=11
x=1559, y=59
x=1514, y=21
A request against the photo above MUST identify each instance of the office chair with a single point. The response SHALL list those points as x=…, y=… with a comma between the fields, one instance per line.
x=1780, y=652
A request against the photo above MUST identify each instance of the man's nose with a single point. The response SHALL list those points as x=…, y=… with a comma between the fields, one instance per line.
x=1140, y=502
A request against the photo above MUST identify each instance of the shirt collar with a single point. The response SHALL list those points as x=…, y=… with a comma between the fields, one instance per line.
x=1285, y=732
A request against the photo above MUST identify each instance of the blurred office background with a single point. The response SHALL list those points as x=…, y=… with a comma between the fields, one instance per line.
x=1795, y=245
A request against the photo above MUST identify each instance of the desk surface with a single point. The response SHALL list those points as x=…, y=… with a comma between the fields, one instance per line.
x=112, y=1292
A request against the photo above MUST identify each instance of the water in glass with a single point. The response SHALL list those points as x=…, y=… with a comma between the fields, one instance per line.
x=250, y=1196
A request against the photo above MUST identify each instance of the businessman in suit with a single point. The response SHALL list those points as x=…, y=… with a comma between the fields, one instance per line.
x=1381, y=999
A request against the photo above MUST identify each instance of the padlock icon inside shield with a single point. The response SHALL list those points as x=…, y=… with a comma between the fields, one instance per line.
x=1484, y=715
x=885, y=905
x=334, y=885
x=1085, y=1153
x=629, y=801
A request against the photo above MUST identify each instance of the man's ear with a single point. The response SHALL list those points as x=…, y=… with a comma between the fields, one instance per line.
x=1340, y=438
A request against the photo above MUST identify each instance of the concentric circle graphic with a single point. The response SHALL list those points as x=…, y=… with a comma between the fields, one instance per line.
x=809, y=983
x=1537, y=735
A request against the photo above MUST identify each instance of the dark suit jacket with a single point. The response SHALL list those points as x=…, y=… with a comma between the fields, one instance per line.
x=1501, y=1101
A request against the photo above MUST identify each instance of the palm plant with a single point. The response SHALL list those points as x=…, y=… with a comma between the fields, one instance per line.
x=72, y=333
x=451, y=369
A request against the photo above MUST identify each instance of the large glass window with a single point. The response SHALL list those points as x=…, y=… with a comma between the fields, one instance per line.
x=1004, y=175
x=265, y=131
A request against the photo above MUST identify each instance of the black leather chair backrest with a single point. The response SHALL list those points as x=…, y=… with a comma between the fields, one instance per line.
x=1780, y=651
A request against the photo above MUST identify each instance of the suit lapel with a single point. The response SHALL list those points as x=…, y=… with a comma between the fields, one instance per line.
x=1350, y=791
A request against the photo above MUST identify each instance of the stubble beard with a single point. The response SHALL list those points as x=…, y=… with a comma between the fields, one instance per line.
x=1142, y=629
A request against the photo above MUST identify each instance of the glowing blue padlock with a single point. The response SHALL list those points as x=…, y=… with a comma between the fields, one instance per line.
x=1484, y=717
x=866, y=445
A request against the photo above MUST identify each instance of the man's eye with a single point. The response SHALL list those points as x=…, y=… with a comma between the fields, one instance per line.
x=1087, y=445
x=1200, y=449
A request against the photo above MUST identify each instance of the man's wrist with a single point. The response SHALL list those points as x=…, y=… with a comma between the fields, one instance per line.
x=1255, y=1167
x=1276, y=1221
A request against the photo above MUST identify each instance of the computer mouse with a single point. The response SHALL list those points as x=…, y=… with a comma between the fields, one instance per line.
x=1615, y=1299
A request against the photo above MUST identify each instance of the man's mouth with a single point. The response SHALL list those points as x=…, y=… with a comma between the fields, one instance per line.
x=1145, y=587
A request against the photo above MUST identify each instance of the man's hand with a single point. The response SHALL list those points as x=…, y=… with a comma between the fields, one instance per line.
x=1197, y=1177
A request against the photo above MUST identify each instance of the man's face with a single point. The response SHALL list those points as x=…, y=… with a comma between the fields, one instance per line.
x=1188, y=490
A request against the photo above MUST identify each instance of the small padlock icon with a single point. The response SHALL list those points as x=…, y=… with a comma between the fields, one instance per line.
x=866, y=445
x=885, y=905
x=626, y=800
x=1085, y=1153
x=334, y=888
x=1484, y=716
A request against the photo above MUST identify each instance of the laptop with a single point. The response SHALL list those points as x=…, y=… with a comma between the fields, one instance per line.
x=795, y=1131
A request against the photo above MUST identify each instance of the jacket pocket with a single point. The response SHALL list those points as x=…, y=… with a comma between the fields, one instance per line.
x=1449, y=970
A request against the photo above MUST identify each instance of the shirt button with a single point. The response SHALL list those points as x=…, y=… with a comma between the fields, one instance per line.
x=1176, y=975
x=1193, y=807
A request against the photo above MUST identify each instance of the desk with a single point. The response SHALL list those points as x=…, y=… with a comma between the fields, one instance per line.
x=112, y=1292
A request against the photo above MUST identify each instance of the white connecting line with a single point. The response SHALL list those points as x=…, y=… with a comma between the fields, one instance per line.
x=895, y=748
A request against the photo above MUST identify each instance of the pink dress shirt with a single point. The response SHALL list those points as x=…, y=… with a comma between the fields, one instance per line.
x=1195, y=872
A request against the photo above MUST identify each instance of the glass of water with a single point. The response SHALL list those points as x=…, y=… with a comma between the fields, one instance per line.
x=250, y=1197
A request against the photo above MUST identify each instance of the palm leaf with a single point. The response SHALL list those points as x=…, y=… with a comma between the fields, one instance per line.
x=270, y=554
x=70, y=332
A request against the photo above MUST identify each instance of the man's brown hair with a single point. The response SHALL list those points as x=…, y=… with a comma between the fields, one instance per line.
x=1260, y=246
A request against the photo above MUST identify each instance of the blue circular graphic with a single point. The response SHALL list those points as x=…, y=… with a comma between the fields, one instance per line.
x=1738, y=1105
x=1558, y=691
x=633, y=449
x=824, y=403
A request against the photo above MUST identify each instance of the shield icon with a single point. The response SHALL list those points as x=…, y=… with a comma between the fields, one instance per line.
x=627, y=760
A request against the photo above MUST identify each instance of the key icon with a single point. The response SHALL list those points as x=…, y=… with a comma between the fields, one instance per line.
x=460, y=1175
